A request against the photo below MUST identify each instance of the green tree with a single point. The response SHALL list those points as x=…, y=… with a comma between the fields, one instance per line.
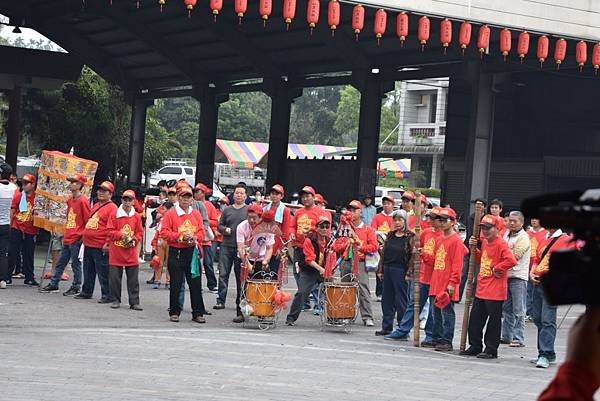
x=313, y=116
x=245, y=117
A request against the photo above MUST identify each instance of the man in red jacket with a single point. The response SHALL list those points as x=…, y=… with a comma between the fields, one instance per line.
x=445, y=279
x=364, y=240
x=95, y=240
x=495, y=258
x=208, y=257
x=283, y=219
x=78, y=212
x=22, y=231
x=124, y=233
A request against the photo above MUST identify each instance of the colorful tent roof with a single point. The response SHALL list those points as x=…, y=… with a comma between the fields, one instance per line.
x=248, y=154
x=394, y=168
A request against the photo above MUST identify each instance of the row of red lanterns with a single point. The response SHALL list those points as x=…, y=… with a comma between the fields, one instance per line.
x=402, y=29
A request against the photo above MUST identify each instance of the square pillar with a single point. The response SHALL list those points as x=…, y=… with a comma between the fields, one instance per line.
x=137, y=138
x=207, y=134
x=13, y=127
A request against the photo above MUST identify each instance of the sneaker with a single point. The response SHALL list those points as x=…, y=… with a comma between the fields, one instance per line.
x=213, y=290
x=174, y=318
x=81, y=295
x=395, y=335
x=485, y=355
x=534, y=360
x=50, y=288
x=64, y=277
x=516, y=344
x=307, y=308
x=151, y=281
x=470, y=352
x=199, y=319
x=369, y=322
x=115, y=305
x=379, y=299
x=219, y=306
x=3, y=285
x=427, y=344
x=18, y=275
x=238, y=319
x=382, y=332
x=504, y=341
x=542, y=362
x=32, y=283
x=290, y=322
x=136, y=307
x=155, y=286
x=443, y=347
x=104, y=301
x=71, y=291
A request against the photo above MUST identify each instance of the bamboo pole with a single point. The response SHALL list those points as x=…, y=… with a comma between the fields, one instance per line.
x=416, y=273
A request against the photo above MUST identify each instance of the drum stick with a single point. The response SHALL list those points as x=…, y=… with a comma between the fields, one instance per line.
x=470, y=274
x=416, y=273
x=292, y=206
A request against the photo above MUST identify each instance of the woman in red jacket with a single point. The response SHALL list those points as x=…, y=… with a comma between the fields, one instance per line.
x=124, y=234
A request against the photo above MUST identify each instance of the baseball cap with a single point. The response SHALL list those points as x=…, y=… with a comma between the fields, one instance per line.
x=323, y=218
x=488, y=221
x=108, y=186
x=355, y=204
x=309, y=190
x=128, y=194
x=435, y=211
x=278, y=188
x=319, y=198
x=410, y=195
x=255, y=208
x=184, y=189
x=447, y=212
x=389, y=198
x=80, y=178
x=29, y=178
x=201, y=187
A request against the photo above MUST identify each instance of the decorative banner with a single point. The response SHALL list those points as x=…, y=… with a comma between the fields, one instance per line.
x=50, y=207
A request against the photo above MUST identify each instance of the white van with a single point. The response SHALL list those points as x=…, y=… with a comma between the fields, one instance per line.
x=380, y=192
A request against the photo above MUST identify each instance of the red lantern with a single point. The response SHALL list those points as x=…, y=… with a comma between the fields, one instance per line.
x=523, y=45
x=358, y=19
x=312, y=14
x=596, y=58
x=216, y=6
x=483, y=39
x=560, y=52
x=402, y=27
x=241, y=6
x=543, y=46
x=289, y=12
x=333, y=15
x=464, y=35
x=505, y=42
x=265, y=8
x=190, y=4
x=445, y=33
x=581, y=54
x=162, y=3
x=380, y=24
x=423, y=31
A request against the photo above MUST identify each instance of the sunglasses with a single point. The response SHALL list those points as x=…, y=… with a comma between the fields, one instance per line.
x=324, y=225
x=443, y=219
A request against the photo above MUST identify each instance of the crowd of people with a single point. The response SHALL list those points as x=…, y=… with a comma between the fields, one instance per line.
x=190, y=229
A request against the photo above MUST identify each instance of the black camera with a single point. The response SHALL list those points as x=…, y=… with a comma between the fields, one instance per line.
x=574, y=275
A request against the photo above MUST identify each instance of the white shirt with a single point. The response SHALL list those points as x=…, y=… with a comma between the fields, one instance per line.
x=7, y=191
x=521, y=240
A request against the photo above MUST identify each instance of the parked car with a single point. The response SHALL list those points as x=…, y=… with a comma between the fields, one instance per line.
x=173, y=173
x=380, y=192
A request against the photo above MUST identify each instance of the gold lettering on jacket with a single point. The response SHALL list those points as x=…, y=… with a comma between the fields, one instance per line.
x=440, y=259
x=486, y=265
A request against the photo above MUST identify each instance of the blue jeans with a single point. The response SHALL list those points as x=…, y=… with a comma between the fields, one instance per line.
x=407, y=322
x=443, y=323
x=20, y=253
x=229, y=260
x=95, y=263
x=544, y=317
x=209, y=268
x=513, y=311
x=394, y=296
x=529, y=302
x=68, y=252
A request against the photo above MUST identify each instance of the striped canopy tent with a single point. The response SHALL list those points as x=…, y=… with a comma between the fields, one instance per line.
x=394, y=168
x=243, y=154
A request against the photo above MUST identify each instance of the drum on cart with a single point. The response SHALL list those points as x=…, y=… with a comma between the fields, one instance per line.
x=340, y=304
x=257, y=295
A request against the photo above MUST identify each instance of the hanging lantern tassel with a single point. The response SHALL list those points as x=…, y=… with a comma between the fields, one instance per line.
x=581, y=54
x=402, y=27
x=423, y=31
x=333, y=16
x=505, y=42
x=483, y=39
x=596, y=58
x=162, y=4
x=241, y=6
x=137, y=4
x=216, y=6
x=190, y=4
x=543, y=46
x=265, y=8
x=312, y=14
x=358, y=20
x=464, y=35
x=445, y=33
x=523, y=45
x=560, y=51
x=289, y=12
x=380, y=24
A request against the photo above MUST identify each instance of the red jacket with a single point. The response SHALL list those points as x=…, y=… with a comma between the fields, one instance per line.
x=286, y=230
x=367, y=241
x=540, y=267
x=447, y=267
x=537, y=238
x=95, y=234
x=383, y=223
x=309, y=252
x=305, y=221
x=119, y=252
x=494, y=256
x=428, y=242
x=573, y=382
x=78, y=213
x=213, y=219
x=412, y=222
x=23, y=221
x=177, y=223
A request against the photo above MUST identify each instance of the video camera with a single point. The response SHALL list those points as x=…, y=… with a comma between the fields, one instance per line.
x=574, y=275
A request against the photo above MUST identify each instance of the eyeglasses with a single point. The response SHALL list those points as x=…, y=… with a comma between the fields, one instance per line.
x=485, y=228
x=186, y=196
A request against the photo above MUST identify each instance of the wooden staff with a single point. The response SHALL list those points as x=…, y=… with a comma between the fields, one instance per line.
x=416, y=273
x=470, y=274
x=298, y=206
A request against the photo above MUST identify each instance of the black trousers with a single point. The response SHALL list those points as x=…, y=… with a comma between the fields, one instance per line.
x=485, y=311
x=180, y=266
x=306, y=283
x=115, y=279
x=4, y=243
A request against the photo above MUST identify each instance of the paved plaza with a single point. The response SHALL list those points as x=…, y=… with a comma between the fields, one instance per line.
x=58, y=348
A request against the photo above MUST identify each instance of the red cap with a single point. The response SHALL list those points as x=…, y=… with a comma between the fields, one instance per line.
x=355, y=204
x=201, y=187
x=489, y=220
x=269, y=215
x=278, y=188
x=319, y=199
x=129, y=194
x=389, y=198
x=29, y=178
x=435, y=211
x=442, y=300
x=323, y=217
x=309, y=190
x=78, y=178
x=255, y=208
x=184, y=189
x=410, y=195
x=225, y=200
x=447, y=212
x=108, y=186
x=423, y=200
x=171, y=190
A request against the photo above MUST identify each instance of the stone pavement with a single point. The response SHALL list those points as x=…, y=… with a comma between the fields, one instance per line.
x=57, y=348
